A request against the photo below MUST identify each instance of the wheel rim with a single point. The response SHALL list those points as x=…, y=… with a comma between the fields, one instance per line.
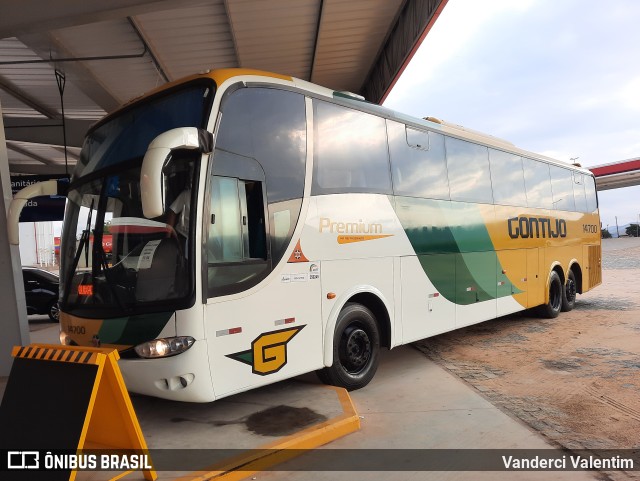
x=55, y=311
x=555, y=296
x=355, y=349
x=571, y=290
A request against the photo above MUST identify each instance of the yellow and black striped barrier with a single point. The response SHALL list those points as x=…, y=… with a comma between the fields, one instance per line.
x=54, y=353
x=66, y=399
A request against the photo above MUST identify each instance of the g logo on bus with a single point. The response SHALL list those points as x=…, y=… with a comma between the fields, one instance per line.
x=268, y=353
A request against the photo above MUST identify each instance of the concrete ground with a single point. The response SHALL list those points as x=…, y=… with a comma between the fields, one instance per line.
x=574, y=379
x=412, y=403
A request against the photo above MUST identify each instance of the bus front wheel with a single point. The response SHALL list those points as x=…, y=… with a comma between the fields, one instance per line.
x=356, y=345
x=552, y=308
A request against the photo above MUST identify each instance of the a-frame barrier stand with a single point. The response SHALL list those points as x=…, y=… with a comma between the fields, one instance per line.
x=68, y=398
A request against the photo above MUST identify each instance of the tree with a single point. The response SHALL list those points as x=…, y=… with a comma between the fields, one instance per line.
x=605, y=234
x=633, y=230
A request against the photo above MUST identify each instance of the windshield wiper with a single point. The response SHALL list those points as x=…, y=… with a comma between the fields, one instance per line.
x=83, y=244
x=99, y=259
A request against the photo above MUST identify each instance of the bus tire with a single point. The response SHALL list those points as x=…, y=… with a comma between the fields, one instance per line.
x=551, y=310
x=356, y=347
x=569, y=293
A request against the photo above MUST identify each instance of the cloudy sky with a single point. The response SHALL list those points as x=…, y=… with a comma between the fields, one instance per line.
x=557, y=77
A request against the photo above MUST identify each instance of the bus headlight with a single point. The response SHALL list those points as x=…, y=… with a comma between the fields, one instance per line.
x=64, y=339
x=166, y=347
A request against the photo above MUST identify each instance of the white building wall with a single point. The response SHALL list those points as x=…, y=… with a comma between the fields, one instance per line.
x=37, y=243
x=28, y=255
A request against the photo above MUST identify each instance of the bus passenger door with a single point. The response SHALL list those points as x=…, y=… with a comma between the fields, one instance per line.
x=270, y=333
x=262, y=323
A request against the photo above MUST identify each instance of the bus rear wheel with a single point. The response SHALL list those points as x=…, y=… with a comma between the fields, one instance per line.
x=356, y=347
x=569, y=293
x=551, y=309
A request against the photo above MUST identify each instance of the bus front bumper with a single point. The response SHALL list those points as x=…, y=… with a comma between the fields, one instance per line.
x=184, y=377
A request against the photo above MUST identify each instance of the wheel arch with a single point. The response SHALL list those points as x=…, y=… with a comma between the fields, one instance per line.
x=555, y=267
x=577, y=272
x=372, y=299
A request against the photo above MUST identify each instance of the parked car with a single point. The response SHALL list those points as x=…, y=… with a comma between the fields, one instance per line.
x=41, y=292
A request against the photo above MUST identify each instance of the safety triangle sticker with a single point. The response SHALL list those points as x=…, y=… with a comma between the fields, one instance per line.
x=297, y=255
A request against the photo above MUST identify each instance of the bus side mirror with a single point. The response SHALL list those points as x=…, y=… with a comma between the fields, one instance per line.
x=155, y=159
x=48, y=187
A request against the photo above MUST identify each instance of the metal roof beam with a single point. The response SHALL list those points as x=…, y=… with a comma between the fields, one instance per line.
x=411, y=27
x=76, y=72
x=315, y=42
x=37, y=169
x=70, y=154
x=29, y=154
x=225, y=4
x=25, y=98
x=46, y=131
x=160, y=66
x=35, y=16
x=617, y=181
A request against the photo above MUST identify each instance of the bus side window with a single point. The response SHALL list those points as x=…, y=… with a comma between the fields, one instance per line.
x=351, y=154
x=538, y=183
x=578, y=192
x=268, y=126
x=508, y=185
x=590, y=193
x=468, y=168
x=418, y=164
x=562, y=188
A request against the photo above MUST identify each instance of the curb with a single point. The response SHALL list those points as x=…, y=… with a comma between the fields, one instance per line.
x=286, y=448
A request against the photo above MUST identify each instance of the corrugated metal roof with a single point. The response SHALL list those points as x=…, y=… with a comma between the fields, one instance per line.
x=350, y=37
x=190, y=40
x=275, y=35
x=123, y=78
x=334, y=43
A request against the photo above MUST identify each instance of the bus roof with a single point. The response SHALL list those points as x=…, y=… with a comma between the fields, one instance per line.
x=219, y=76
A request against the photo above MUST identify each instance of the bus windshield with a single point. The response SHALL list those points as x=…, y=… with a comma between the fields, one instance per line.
x=116, y=262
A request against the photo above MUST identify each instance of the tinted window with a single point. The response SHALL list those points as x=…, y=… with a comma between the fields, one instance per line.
x=417, y=172
x=268, y=125
x=536, y=179
x=350, y=151
x=508, y=178
x=127, y=135
x=418, y=139
x=41, y=275
x=226, y=238
x=236, y=241
x=26, y=277
x=590, y=193
x=283, y=217
x=468, y=168
x=562, y=188
x=578, y=192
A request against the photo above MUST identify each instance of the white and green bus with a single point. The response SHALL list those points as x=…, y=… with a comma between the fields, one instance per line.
x=262, y=227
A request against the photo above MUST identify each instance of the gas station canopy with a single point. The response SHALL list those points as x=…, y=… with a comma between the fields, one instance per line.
x=106, y=53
